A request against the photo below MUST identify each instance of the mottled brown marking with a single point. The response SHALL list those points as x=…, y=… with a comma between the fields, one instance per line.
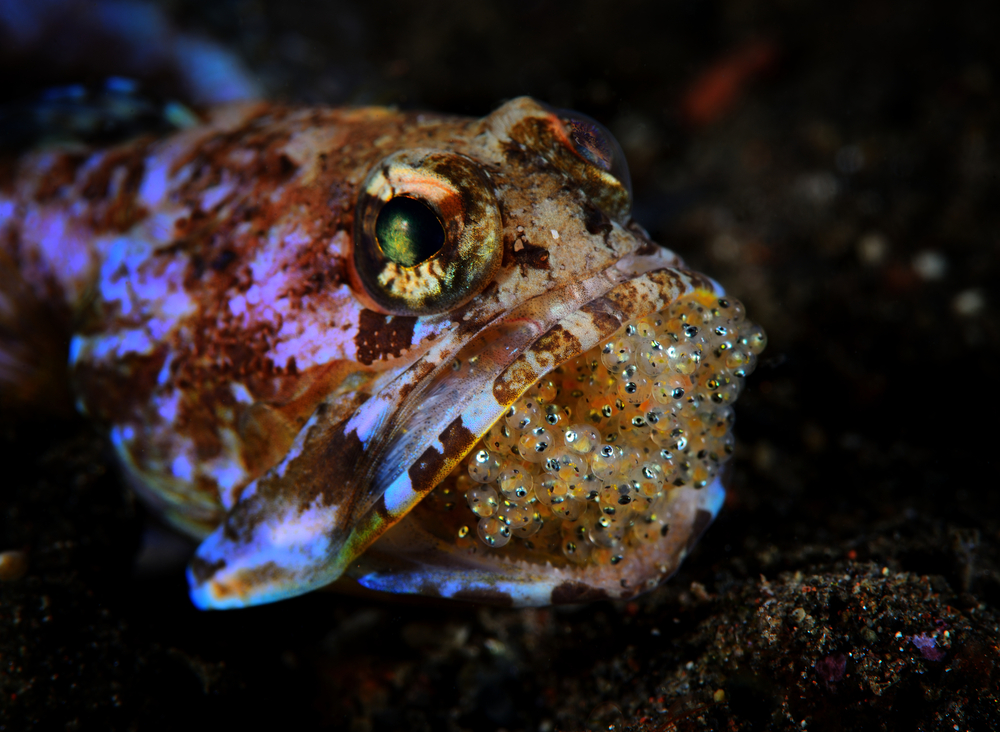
x=517, y=377
x=202, y=570
x=58, y=177
x=381, y=511
x=556, y=346
x=571, y=592
x=381, y=337
x=263, y=575
x=530, y=256
x=432, y=465
x=603, y=315
x=647, y=248
x=626, y=298
x=596, y=221
x=323, y=472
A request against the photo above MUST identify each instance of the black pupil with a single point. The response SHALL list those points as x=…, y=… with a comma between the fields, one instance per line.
x=408, y=231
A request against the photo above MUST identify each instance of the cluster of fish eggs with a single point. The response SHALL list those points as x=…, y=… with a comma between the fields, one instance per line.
x=587, y=459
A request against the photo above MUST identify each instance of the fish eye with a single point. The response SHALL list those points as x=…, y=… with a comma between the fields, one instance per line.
x=427, y=232
x=594, y=142
x=408, y=232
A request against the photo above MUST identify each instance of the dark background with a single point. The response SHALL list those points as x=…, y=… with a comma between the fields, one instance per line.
x=834, y=166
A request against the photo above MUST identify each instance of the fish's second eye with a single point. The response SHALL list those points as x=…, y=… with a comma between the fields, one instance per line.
x=597, y=145
x=408, y=232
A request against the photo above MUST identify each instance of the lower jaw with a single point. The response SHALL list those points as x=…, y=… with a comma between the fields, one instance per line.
x=591, y=465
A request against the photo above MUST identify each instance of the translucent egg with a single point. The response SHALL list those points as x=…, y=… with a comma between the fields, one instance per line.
x=754, y=340
x=577, y=549
x=669, y=388
x=732, y=309
x=635, y=389
x=632, y=457
x=536, y=444
x=721, y=421
x=617, y=353
x=684, y=358
x=484, y=467
x=608, y=532
x=677, y=440
x=647, y=531
x=531, y=528
x=701, y=474
x=551, y=489
x=660, y=419
x=616, y=498
x=482, y=500
x=647, y=480
x=727, y=393
x=585, y=488
x=497, y=439
x=567, y=465
x=556, y=416
x=515, y=515
x=581, y=438
x=524, y=415
x=515, y=484
x=741, y=363
x=645, y=328
x=683, y=471
x=493, y=532
x=605, y=462
x=545, y=390
x=651, y=357
x=611, y=429
x=569, y=509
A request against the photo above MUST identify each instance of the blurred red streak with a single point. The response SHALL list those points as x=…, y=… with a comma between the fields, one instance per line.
x=719, y=87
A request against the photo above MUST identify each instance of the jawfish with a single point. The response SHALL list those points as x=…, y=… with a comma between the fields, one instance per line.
x=412, y=352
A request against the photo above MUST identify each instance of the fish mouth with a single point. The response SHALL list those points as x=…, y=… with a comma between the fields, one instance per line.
x=599, y=477
x=349, y=498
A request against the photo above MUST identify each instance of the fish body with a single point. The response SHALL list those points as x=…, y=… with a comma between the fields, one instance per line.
x=297, y=324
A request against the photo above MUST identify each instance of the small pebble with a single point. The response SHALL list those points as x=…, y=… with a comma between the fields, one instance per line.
x=872, y=249
x=930, y=265
x=968, y=303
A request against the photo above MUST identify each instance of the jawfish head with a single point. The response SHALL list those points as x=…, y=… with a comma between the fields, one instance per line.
x=563, y=440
